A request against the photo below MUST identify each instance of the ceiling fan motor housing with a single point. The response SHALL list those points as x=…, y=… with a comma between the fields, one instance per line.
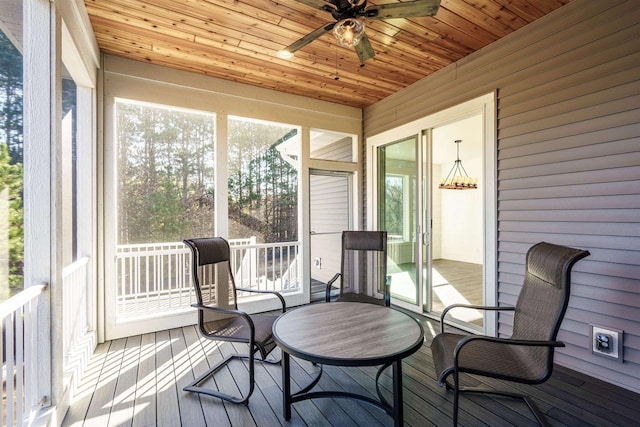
x=345, y=9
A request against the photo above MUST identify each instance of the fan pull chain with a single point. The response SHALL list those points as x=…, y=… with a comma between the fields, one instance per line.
x=337, y=77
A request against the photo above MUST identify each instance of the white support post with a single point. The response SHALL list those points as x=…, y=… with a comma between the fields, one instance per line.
x=40, y=112
x=56, y=252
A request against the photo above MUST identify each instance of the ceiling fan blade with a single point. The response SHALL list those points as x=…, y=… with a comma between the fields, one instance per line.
x=364, y=49
x=302, y=42
x=318, y=4
x=409, y=9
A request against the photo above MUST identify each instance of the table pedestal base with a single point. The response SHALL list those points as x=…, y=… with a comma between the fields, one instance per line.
x=395, y=410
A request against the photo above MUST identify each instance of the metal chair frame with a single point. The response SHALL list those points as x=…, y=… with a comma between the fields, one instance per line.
x=564, y=256
x=263, y=347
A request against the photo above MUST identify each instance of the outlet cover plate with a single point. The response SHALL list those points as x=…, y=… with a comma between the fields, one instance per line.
x=616, y=345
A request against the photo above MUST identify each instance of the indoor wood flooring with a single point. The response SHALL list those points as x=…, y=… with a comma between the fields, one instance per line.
x=464, y=277
x=138, y=381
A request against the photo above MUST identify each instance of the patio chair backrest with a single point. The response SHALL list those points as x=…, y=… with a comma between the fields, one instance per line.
x=364, y=262
x=544, y=297
x=212, y=278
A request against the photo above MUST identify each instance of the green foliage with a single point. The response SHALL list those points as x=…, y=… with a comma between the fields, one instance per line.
x=166, y=184
x=11, y=170
x=165, y=174
x=262, y=186
x=11, y=98
x=165, y=207
x=11, y=179
x=394, y=205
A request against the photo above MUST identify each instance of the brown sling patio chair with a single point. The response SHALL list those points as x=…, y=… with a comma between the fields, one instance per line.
x=218, y=315
x=363, y=268
x=526, y=357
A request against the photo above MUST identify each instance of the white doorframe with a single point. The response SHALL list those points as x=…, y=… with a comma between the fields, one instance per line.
x=486, y=106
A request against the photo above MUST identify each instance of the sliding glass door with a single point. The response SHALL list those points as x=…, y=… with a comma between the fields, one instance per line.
x=457, y=240
x=441, y=238
x=435, y=235
x=398, y=201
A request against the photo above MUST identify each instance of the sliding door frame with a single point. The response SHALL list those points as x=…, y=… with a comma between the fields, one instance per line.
x=485, y=105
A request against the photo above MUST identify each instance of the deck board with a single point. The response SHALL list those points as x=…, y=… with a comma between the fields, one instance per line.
x=125, y=389
x=167, y=410
x=138, y=381
x=145, y=399
x=86, y=390
x=102, y=402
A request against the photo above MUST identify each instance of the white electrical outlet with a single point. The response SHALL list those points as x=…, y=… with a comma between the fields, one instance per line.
x=606, y=342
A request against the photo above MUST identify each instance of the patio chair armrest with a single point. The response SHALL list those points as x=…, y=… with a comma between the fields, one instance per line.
x=260, y=291
x=219, y=310
x=477, y=307
x=327, y=296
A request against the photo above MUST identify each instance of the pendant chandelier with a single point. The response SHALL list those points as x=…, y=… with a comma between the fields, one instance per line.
x=457, y=178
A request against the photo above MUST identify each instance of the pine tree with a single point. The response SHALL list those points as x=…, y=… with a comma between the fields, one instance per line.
x=11, y=182
x=11, y=98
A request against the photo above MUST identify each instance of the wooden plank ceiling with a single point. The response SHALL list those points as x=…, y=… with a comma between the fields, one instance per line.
x=238, y=40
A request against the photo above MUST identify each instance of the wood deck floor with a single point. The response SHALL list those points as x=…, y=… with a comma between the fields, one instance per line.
x=138, y=381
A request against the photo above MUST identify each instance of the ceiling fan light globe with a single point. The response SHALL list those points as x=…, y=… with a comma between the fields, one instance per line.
x=348, y=32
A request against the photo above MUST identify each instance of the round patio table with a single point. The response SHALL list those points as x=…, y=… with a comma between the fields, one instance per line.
x=347, y=334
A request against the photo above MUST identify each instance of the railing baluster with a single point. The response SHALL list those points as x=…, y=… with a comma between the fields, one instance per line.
x=266, y=267
x=126, y=265
x=3, y=377
x=19, y=364
x=145, y=275
x=35, y=398
x=31, y=356
x=10, y=369
x=281, y=273
x=163, y=279
x=275, y=261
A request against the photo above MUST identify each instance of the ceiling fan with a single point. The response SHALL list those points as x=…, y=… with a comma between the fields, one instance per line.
x=349, y=28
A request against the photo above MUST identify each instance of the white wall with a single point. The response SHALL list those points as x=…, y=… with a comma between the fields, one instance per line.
x=457, y=229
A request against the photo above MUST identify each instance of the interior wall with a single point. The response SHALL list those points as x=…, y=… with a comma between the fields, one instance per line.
x=458, y=220
x=568, y=150
x=462, y=226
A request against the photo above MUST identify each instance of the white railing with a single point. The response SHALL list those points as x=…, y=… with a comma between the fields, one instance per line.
x=151, y=278
x=75, y=318
x=75, y=284
x=266, y=266
x=19, y=349
x=156, y=278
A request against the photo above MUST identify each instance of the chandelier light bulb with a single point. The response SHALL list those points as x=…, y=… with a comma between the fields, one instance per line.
x=348, y=32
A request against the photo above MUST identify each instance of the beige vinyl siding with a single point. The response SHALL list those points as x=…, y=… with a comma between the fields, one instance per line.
x=340, y=151
x=329, y=213
x=329, y=203
x=568, y=91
